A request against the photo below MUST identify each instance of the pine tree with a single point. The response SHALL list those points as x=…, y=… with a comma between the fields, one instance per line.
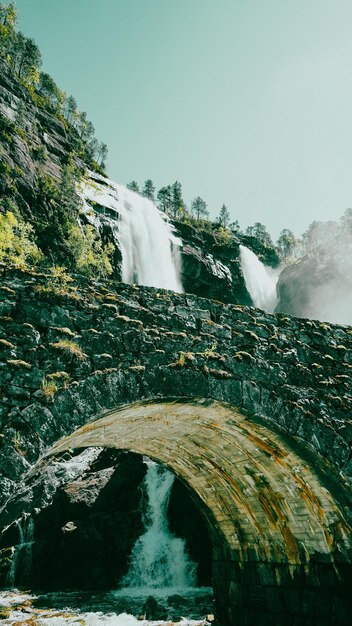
x=259, y=231
x=286, y=243
x=70, y=109
x=48, y=89
x=133, y=186
x=102, y=154
x=28, y=55
x=148, y=190
x=8, y=19
x=224, y=217
x=199, y=208
x=235, y=225
x=177, y=202
x=164, y=198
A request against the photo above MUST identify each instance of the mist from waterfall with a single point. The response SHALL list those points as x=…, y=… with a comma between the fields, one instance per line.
x=150, y=250
x=260, y=280
x=159, y=559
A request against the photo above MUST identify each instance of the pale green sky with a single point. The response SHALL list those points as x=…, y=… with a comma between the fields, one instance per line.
x=246, y=102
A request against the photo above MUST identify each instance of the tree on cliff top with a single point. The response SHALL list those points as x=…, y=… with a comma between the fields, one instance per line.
x=133, y=186
x=164, y=198
x=23, y=56
x=259, y=231
x=177, y=202
x=148, y=190
x=8, y=19
x=48, y=88
x=199, y=208
x=224, y=216
x=287, y=244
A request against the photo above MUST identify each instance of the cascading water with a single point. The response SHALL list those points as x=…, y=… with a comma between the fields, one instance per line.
x=22, y=554
x=150, y=251
x=160, y=567
x=260, y=280
x=159, y=559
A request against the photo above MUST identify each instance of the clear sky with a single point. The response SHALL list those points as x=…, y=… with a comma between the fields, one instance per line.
x=246, y=102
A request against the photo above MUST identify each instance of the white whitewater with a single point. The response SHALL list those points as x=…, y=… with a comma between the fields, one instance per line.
x=21, y=609
x=260, y=280
x=150, y=251
x=159, y=559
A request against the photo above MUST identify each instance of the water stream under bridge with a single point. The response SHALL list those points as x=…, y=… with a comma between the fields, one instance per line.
x=250, y=411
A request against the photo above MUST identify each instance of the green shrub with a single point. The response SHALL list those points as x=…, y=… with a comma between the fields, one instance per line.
x=90, y=255
x=223, y=236
x=16, y=243
x=40, y=154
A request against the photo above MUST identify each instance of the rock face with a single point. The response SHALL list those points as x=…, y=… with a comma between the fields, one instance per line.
x=35, y=148
x=212, y=269
x=87, y=518
x=25, y=131
x=87, y=512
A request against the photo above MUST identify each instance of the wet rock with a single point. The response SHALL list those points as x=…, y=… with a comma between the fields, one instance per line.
x=85, y=512
x=176, y=600
x=153, y=610
x=212, y=270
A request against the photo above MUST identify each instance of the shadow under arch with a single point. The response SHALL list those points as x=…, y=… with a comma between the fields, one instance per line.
x=282, y=541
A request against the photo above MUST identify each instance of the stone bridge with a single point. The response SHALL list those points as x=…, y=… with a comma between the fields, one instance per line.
x=251, y=411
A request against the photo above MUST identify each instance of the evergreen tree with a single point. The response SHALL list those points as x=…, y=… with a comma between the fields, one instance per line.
x=224, y=217
x=63, y=205
x=8, y=19
x=319, y=234
x=133, y=186
x=235, y=225
x=148, y=190
x=49, y=90
x=177, y=202
x=27, y=55
x=93, y=149
x=85, y=128
x=286, y=243
x=164, y=198
x=199, y=208
x=102, y=154
x=70, y=109
x=259, y=231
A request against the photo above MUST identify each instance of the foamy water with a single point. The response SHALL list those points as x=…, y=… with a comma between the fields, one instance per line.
x=26, y=608
x=150, y=250
x=159, y=560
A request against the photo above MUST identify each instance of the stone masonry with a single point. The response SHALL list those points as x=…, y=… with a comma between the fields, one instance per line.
x=275, y=449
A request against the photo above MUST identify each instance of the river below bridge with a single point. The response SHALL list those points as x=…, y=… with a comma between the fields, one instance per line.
x=186, y=607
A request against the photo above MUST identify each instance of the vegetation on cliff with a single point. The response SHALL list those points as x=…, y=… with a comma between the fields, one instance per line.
x=24, y=58
x=46, y=146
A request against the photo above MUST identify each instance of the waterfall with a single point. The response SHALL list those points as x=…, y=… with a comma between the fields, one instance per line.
x=150, y=250
x=260, y=280
x=159, y=559
x=22, y=554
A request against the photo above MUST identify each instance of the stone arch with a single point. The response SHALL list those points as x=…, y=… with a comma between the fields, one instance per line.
x=282, y=539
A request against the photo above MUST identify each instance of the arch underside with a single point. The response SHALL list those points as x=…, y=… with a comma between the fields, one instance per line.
x=274, y=524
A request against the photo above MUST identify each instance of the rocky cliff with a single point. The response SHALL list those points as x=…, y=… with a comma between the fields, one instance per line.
x=36, y=147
